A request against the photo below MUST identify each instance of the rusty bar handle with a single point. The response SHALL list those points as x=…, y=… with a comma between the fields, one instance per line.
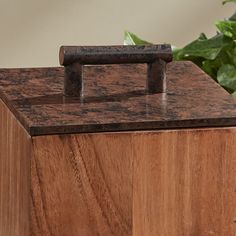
x=74, y=57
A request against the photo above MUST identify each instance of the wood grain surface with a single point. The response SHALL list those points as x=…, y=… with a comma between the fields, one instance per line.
x=169, y=183
x=185, y=183
x=82, y=185
x=14, y=176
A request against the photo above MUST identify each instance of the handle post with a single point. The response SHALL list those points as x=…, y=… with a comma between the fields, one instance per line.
x=73, y=80
x=156, y=81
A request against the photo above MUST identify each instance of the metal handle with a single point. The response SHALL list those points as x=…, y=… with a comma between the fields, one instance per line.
x=74, y=57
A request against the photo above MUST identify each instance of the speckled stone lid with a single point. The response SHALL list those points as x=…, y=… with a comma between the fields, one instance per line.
x=115, y=100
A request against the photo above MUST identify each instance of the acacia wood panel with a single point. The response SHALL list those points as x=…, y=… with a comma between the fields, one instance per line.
x=14, y=175
x=169, y=183
x=185, y=183
x=82, y=185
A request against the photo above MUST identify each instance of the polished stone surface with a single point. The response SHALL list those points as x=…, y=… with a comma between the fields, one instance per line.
x=115, y=100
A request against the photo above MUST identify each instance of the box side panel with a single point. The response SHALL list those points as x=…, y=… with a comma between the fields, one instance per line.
x=82, y=185
x=185, y=183
x=14, y=175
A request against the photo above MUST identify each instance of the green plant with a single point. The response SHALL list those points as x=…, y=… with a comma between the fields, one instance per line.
x=215, y=55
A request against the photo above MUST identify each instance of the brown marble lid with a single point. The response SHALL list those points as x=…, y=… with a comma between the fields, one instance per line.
x=115, y=100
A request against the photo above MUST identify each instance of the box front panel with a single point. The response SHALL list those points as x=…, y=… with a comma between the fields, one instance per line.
x=82, y=185
x=184, y=183
x=169, y=183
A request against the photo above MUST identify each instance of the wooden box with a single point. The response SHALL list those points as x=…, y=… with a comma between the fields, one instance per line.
x=119, y=162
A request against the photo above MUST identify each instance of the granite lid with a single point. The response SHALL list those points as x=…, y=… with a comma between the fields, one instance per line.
x=114, y=100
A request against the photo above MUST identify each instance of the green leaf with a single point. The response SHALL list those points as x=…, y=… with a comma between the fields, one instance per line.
x=132, y=39
x=234, y=94
x=232, y=55
x=228, y=28
x=210, y=67
x=178, y=53
x=233, y=17
x=226, y=1
x=204, y=48
x=226, y=77
x=202, y=36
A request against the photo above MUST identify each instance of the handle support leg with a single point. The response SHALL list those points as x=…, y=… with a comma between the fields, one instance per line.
x=156, y=81
x=73, y=80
